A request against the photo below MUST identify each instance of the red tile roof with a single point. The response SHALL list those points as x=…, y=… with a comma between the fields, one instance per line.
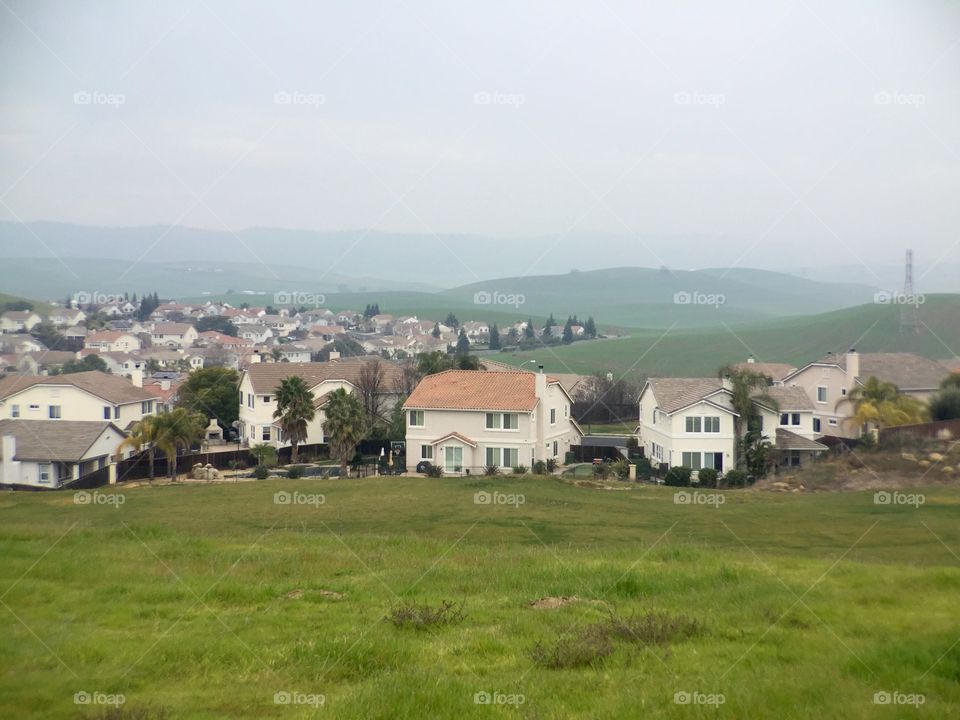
x=476, y=390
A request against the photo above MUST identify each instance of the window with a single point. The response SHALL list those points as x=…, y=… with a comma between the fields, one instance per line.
x=146, y=407
x=556, y=448
x=106, y=412
x=711, y=424
x=453, y=459
x=116, y=412
x=713, y=461
x=693, y=424
x=832, y=422
x=755, y=423
x=14, y=411
x=795, y=419
x=784, y=418
x=416, y=418
x=566, y=411
x=502, y=457
x=816, y=424
x=843, y=391
x=691, y=460
x=250, y=400
x=266, y=398
x=426, y=452
x=241, y=397
x=493, y=421
x=821, y=394
x=493, y=456
x=553, y=416
x=511, y=421
x=44, y=472
x=53, y=412
x=266, y=433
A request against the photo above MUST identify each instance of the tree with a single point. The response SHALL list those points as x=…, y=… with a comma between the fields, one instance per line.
x=568, y=332
x=432, y=363
x=452, y=321
x=407, y=379
x=294, y=410
x=371, y=385
x=467, y=362
x=748, y=390
x=178, y=429
x=548, y=327
x=46, y=333
x=213, y=392
x=590, y=329
x=513, y=335
x=529, y=332
x=143, y=435
x=265, y=454
x=881, y=404
x=90, y=362
x=945, y=405
x=344, y=425
x=436, y=331
x=220, y=324
x=951, y=382
x=757, y=453
x=495, y=337
x=463, y=344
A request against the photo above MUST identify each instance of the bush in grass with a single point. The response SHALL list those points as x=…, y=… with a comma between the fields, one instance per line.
x=708, y=478
x=421, y=617
x=621, y=469
x=434, y=471
x=601, y=471
x=651, y=628
x=644, y=469
x=551, y=464
x=539, y=468
x=491, y=470
x=261, y=472
x=678, y=477
x=587, y=647
x=735, y=479
x=295, y=472
x=521, y=470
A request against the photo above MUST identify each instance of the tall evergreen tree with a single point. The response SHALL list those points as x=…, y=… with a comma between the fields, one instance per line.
x=590, y=328
x=463, y=344
x=495, y=337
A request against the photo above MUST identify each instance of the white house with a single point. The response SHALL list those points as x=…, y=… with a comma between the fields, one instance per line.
x=173, y=335
x=465, y=420
x=14, y=321
x=87, y=396
x=111, y=341
x=65, y=317
x=254, y=334
x=259, y=383
x=42, y=453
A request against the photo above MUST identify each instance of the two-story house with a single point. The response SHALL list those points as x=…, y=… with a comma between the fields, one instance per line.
x=173, y=335
x=14, y=321
x=111, y=341
x=465, y=421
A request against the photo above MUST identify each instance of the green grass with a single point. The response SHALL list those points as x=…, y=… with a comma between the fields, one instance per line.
x=794, y=606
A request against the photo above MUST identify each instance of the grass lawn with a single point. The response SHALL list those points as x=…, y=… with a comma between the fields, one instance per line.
x=207, y=601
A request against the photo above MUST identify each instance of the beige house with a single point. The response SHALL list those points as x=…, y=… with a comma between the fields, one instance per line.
x=111, y=341
x=173, y=335
x=43, y=453
x=84, y=396
x=14, y=321
x=465, y=421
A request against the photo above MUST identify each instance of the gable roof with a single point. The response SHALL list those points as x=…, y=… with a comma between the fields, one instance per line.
x=62, y=440
x=171, y=328
x=775, y=371
x=787, y=440
x=674, y=394
x=112, y=388
x=908, y=371
x=266, y=377
x=477, y=390
x=790, y=398
x=107, y=335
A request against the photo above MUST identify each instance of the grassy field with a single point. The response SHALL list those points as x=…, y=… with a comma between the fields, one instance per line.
x=207, y=601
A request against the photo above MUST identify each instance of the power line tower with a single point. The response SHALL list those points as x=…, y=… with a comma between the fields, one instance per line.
x=909, y=316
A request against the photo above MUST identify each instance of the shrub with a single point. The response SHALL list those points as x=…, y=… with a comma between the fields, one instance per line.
x=601, y=471
x=491, y=470
x=735, y=478
x=421, y=617
x=295, y=471
x=708, y=478
x=652, y=628
x=621, y=469
x=632, y=443
x=539, y=468
x=586, y=647
x=678, y=477
x=551, y=464
x=644, y=469
x=521, y=470
x=261, y=472
x=434, y=471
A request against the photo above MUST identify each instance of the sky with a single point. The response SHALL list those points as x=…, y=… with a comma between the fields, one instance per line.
x=694, y=133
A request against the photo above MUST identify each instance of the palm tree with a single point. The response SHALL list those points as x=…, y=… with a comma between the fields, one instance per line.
x=265, y=454
x=345, y=425
x=881, y=404
x=748, y=390
x=177, y=429
x=294, y=410
x=144, y=434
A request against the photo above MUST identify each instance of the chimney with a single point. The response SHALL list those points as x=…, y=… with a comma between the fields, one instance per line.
x=334, y=355
x=541, y=383
x=750, y=360
x=8, y=451
x=136, y=377
x=164, y=384
x=853, y=364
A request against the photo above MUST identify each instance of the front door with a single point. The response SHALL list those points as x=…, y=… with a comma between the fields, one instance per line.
x=453, y=459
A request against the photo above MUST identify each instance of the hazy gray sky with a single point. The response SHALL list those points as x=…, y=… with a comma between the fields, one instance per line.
x=794, y=131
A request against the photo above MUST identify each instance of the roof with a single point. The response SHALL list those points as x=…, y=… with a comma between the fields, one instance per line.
x=908, y=371
x=790, y=398
x=787, y=440
x=112, y=388
x=455, y=436
x=775, y=371
x=106, y=335
x=266, y=377
x=19, y=314
x=172, y=328
x=62, y=440
x=674, y=394
x=477, y=390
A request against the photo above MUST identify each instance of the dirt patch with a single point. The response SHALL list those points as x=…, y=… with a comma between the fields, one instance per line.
x=552, y=603
x=331, y=595
x=300, y=592
x=294, y=594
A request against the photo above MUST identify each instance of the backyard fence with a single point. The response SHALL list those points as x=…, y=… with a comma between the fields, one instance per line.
x=905, y=434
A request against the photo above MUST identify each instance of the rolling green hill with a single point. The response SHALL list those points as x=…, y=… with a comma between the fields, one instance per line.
x=685, y=352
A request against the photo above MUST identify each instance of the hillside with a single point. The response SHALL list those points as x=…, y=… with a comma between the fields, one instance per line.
x=685, y=352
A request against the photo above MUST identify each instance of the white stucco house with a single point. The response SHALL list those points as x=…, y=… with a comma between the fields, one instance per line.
x=173, y=335
x=112, y=341
x=14, y=321
x=465, y=420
